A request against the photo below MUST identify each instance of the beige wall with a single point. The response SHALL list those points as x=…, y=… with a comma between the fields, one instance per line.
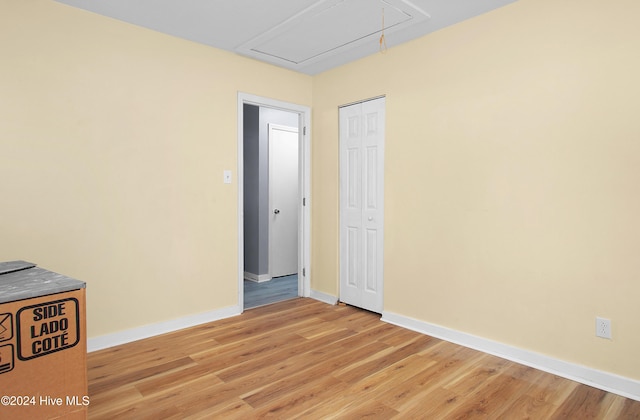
x=512, y=174
x=113, y=141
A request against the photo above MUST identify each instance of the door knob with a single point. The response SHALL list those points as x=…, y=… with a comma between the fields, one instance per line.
x=276, y=211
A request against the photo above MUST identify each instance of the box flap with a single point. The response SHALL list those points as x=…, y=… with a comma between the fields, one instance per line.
x=11, y=266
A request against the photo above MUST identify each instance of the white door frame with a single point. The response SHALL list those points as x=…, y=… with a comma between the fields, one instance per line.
x=304, y=170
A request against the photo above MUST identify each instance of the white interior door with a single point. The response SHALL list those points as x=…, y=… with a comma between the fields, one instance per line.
x=362, y=129
x=283, y=200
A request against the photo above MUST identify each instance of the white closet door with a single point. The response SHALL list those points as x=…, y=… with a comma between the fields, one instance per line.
x=362, y=129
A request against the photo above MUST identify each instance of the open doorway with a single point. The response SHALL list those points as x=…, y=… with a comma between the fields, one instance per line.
x=273, y=177
x=271, y=196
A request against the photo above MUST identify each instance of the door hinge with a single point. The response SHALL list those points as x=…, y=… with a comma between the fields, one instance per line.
x=304, y=201
x=304, y=131
x=304, y=272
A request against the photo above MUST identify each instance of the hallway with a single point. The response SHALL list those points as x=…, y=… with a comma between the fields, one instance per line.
x=274, y=290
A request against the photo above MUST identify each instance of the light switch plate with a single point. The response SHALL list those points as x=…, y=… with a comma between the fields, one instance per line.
x=227, y=177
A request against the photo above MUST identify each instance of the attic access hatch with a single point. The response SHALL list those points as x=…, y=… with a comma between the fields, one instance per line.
x=329, y=27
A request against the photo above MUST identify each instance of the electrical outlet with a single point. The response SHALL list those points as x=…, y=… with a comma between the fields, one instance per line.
x=603, y=328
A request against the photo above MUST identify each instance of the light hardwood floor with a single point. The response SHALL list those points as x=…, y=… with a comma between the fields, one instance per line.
x=306, y=359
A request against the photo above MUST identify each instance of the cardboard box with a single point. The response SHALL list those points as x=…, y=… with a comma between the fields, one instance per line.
x=43, y=348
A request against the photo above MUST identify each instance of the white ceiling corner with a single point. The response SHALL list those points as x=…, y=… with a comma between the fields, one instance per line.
x=329, y=27
x=309, y=36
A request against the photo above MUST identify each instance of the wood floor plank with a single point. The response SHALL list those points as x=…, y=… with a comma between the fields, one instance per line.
x=528, y=407
x=132, y=376
x=175, y=400
x=306, y=359
x=375, y=364
x=441, y=401
x=235, y=409
x=488, y=398
x=428, y=385
x=371, y=409
x=293, y=404
x=630, y=409
x=164, y=382
x=231, y=359
x=213, y=399
x=439, y=371
x=330, y=361
x=584, y=402
x=380, y=384
x=283, y=354
x=104, y=402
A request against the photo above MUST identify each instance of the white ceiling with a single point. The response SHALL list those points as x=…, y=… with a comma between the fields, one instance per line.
x=309, y=36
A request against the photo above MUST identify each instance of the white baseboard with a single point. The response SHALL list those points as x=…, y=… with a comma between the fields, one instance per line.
x=134, y=334
x=626, y=387
x=323, y=297
x=258, y=278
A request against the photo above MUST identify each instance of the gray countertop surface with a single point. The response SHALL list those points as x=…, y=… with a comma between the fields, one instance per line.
x=23, y=280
